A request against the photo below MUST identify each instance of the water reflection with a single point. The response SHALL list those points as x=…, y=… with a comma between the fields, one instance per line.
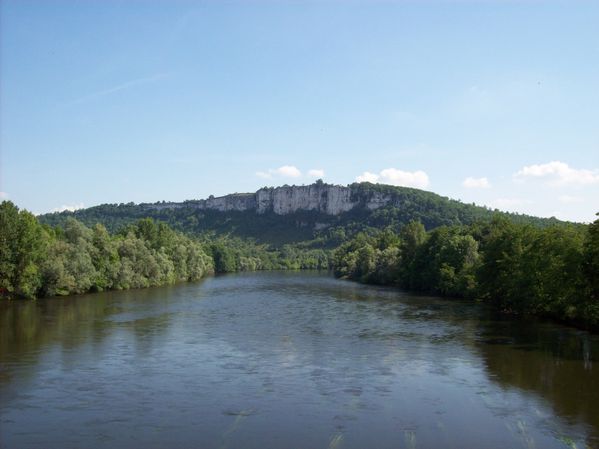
x=289, y=360
x=551, y=361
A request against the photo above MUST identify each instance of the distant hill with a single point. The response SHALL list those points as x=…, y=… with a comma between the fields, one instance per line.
x=321, y=213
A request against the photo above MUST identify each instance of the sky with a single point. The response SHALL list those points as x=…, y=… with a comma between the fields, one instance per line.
x=492, y=102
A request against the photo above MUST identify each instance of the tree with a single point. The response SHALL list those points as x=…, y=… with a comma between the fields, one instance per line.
x=9, y=225
x=104, y=257
x=22, y=242
x=591, y=258
x=499, y=281
x=224, y=258
x=365, y=263
x=591, y=269
x=412, y=236
x=386, y=270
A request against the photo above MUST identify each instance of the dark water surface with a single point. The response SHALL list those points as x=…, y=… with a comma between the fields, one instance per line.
x=289, y=360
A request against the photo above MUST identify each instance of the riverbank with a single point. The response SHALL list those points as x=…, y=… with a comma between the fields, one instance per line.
x=520, y=269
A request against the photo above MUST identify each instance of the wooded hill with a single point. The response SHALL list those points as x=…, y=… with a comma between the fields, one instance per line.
x=401, y=205
x=371, y=233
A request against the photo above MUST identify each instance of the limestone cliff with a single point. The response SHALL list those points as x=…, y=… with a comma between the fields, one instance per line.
x=320, y=197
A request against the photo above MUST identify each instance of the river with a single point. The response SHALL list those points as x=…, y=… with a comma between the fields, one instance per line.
x=290, y=360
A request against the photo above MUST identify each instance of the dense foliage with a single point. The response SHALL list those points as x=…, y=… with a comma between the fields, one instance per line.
x=232, y=254
x=39, y=260
x=523, y=266
x=520, y=268
x=322, y=230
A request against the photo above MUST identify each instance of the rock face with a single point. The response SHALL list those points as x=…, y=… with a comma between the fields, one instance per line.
x=331, y=200
x=320, y=197
x=237, y=201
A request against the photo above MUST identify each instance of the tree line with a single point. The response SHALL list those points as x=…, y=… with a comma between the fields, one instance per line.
x=520, y=268
x=38, y=260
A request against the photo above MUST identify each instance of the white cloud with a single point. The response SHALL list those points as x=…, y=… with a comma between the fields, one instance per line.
x=367, y=177
x=316, y=173
x=393, y=176
x=558, y=173
x=285, y=171
x=288, y=171
x=569, y=199
x=69, y=207
x=476, y=183
x=3, y=195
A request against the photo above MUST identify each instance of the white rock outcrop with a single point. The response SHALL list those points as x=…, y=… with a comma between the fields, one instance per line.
x=324, y=198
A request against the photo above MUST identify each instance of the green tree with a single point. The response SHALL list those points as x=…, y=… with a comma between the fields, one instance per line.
x=22, y=244
x=591, y=270
x=412, y=236
x=224, y=258
x=365, y=263
x=105, y=258
x=591, y=258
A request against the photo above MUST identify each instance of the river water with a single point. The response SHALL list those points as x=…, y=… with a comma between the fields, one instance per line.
x=289, y=360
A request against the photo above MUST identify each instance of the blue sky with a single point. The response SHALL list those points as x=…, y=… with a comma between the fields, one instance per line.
x=493, y=102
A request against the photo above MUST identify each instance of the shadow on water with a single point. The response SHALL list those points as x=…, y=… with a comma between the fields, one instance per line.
x=28, y=329
x=554, y=362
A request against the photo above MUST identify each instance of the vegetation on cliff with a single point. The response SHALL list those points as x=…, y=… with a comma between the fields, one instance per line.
x=405, y=205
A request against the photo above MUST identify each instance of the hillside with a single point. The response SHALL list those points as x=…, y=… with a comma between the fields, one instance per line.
x=325, y=212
